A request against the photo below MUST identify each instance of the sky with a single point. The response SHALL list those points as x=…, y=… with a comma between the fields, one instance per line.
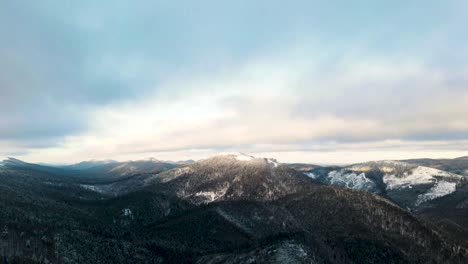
x=329, y=82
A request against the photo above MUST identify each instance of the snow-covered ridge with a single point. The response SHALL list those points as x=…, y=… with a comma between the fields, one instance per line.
x=237, y=156
x=420, y=175
x=397, y=176
x=443, y=183
x=244, y=157
x=441, y=188
x=350, y=180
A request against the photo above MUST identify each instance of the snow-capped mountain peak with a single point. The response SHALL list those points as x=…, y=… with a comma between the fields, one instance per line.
x=237, y=155
x=232, y=176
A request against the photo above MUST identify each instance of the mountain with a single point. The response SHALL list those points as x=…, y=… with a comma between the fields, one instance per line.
x=436, y=195
x=322, y=225
x=12, y=163
x=109, y=178
x=230, y=208
x=202, y=182
x=232, y=176
x=89, y=164
x=457, y=165
x=407, y=184
x=449, y=212
x=113, y=169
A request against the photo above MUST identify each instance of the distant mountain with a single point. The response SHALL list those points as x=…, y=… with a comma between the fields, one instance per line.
x=84, y=165
x=105, y=177
x=19, y=165
x=407, y=184
x=114, y=170
x=13, y=162
x=457, y=165
x=143, y=164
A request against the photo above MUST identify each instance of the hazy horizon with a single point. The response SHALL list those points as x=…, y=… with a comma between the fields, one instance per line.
x=291, y=158
x=317, y=82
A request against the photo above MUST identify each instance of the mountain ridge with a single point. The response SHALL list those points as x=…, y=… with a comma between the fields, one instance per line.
x=229, y=208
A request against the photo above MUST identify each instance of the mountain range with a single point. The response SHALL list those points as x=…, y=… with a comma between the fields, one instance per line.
x=234, y=208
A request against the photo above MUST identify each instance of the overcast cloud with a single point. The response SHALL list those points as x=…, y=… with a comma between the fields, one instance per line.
x=308, y=81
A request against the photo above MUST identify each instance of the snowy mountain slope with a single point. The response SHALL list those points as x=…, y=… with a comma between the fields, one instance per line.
x=244, y=157
x=222, y=177
x=440, y=189
x=457, y=165
x=344, y=178
x=231, y=176
x=409, y=184
x=419, y=175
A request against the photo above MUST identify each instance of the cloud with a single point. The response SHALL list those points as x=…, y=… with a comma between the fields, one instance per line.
x=265, y=107
x=156, y=77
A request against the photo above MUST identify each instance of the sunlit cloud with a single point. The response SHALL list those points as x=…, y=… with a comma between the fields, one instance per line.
x=126, y=83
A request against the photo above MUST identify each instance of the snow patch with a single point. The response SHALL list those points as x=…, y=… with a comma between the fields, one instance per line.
x=127, y=212
x=211, y=196
x=351, y=180
x=311, y=175
x=420, y=175
x=440, y=189
x=53, y=183
x=181, y=171
x=244, y=157
x=237, y=155
x=272, y=162
x=93, y=188
x=290, y=252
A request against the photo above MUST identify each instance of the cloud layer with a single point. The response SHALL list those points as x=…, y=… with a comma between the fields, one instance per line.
x=355, y=81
